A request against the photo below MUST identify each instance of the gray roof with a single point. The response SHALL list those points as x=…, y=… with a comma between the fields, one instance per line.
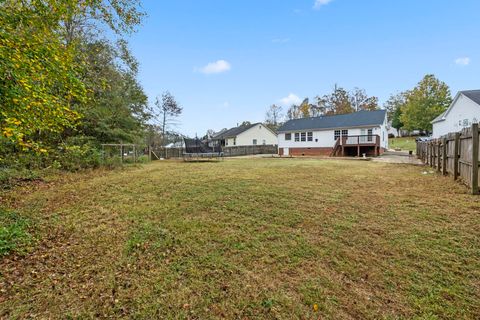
x=233, y=132
x=473, y=95
x=356, y=119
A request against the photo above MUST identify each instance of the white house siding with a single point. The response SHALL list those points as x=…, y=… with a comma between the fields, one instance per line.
x=326, y=138
x=259, y=132
x=462, y=114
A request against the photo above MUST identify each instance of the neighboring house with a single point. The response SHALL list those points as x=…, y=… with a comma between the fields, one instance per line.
x=464, y=110
x=401, y=132
x=246, y=135
x=175, y=145
x=393, y=131
x=347, y=134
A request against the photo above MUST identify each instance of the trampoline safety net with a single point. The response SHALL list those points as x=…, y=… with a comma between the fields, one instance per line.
x=196, y=148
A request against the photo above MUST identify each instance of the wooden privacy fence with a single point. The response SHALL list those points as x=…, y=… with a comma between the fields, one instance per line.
x=166, y=153
x=249, y=150
x=456, y=153
x=169, y=153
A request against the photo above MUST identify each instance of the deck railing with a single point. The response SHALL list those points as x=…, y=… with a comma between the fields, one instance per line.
x=371, y=139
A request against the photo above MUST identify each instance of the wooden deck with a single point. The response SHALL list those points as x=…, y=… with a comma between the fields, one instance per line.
x=348, y=145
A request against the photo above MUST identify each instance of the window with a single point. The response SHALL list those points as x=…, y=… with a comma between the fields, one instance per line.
x=344, y=133
x=336, y=135
x=309, y=136
x=254, y=142
x=264, y=142
x=288, y=136
x=370, y=135
x=297, y=136
x=234, y=141
x=304, y=136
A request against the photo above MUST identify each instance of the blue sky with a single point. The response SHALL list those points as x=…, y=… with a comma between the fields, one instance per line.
x=226, y=61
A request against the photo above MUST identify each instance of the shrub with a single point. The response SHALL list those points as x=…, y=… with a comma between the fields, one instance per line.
x=73, y=156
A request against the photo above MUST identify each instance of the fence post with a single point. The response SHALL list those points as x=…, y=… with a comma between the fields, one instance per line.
x=475, y=158
x=456, y=156
x=444, y=156
x=429, y=153
x=432, y=155
x=438, y=155
x=425, y=146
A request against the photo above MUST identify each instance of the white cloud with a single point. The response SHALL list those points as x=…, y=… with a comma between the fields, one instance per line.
x=464, y=61
x=319, y=3
x=289, y=100
x=281, y=40
x=216, y=67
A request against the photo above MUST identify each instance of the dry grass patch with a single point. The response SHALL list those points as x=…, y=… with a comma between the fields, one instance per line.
x=263, y=238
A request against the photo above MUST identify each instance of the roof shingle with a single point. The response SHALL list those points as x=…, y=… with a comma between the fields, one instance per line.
x=356, y=119
x=473, y=95
x=233, y=132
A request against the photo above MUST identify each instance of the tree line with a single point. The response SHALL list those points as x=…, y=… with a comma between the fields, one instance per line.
x=65, y=88
x=408, y=110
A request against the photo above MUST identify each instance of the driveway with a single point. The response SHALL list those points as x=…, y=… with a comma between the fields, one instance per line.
x=398, y=157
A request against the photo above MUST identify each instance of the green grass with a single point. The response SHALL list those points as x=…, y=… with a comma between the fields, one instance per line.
x=405, y=143
x=14, y=235
x=247, y=239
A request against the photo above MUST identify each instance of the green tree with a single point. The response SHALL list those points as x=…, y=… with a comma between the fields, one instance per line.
x=394, y=107
x=117, y=110
x=424, y=103
x=337, y=102
x=41, y=87
x=38, y=77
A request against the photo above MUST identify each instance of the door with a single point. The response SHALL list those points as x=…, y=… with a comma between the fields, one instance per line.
x=286, y=152
x=363, y=138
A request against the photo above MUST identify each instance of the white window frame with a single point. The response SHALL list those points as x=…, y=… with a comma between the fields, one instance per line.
x=336, y=134
x=309, y=136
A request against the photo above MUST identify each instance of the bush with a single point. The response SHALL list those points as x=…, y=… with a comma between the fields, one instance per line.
x=74, y=155
x=10, y=176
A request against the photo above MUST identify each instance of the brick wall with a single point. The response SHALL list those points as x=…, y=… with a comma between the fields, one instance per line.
x=306, y=151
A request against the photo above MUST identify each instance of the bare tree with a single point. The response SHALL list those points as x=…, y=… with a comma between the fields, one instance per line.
x=361, y=101
x=273, y=115
x=293, y=112
x=168, y=109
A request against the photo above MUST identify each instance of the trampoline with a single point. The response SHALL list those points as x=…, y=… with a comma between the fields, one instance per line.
x=196, y=150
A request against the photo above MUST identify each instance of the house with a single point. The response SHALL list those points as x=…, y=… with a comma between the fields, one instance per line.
x=175, y=145
x=347, y=134
x=464, y=110
x=245, y=135
x=401, y=133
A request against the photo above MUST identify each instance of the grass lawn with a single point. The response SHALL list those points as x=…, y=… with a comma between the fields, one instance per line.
x=246, y=239
x=404, y=143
